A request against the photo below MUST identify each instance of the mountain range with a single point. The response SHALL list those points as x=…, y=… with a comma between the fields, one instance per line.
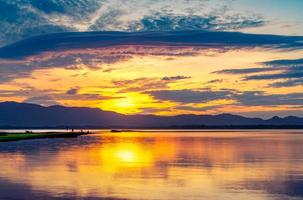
x=17, y=115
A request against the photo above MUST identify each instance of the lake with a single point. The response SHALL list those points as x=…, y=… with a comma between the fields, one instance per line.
x=158, y=165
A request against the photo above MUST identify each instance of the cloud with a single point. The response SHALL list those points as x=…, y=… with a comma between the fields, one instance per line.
x=285, y=75
x=170, y=78
x=52, y=97
x=72, y=91
x=258, y=98
x=288, y=71
x=246, y=70
x=246, y=98
x=293, y=72
x=41, y=100
x=189, y=96
x=214, y=81
x=23, y=19
x=140, y=84
x=285, y=62
x=91, y=49
x=18, y=21
x=94, y=97
x=287, y=83
x=26, y=92
x=71, y=60
x=168, y=22
x=95, y=40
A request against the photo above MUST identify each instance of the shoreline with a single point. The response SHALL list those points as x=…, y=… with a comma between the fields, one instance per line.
x=180, y=127
x=16, y=136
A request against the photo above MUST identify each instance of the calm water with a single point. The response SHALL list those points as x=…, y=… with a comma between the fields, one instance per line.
x=156, y=165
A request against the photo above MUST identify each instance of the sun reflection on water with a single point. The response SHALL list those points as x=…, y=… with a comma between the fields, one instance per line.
x=115, y=156
x=161, y=166
x=126, y=156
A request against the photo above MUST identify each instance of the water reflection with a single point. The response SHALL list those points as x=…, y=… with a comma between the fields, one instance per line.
x=163, y=165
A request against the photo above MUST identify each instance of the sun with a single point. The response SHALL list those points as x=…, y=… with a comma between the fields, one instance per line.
x=127, y=102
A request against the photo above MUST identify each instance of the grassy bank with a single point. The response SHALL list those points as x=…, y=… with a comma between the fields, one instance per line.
x=6, y=137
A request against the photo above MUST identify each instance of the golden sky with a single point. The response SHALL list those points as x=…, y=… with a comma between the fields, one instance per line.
x=158, y=84
x=193, y=78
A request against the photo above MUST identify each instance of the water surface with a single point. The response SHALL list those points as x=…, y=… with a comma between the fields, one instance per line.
x=213, y=165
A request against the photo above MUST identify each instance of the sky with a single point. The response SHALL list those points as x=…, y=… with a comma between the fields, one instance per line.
x=155, y=57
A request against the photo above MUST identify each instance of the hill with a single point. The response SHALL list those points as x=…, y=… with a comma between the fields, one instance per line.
x=13, y=114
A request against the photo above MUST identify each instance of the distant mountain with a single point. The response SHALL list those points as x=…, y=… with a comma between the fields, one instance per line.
x=13, y=114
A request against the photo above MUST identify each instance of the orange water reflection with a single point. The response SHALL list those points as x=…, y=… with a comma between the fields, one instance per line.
x=214, y=165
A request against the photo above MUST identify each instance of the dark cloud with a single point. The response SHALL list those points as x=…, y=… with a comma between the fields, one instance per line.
x=288, y=71
x=214, y=81
x=283, y=75
x=291, y=75
x=93, y=40
x=189, y=96
x=172, y=78
x=288, y=83
x=72, y=91
x=247, y=98
x=258, y=98
x=246, y=70
x=284, y=62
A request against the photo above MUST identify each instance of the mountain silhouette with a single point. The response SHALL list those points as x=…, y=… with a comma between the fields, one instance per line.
x=13, y=114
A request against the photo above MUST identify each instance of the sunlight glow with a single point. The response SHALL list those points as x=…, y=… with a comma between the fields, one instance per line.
x=126, y=156
x=126, y=102
x=126, y=84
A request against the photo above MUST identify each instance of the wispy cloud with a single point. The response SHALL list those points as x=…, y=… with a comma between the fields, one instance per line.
x=240, y=98
x=52, y=97
x=23, y=19
x=246, y=70
x=285, y=72
x=190, y=96
x=140, y=84
x=170, y=78
x=258, y=98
